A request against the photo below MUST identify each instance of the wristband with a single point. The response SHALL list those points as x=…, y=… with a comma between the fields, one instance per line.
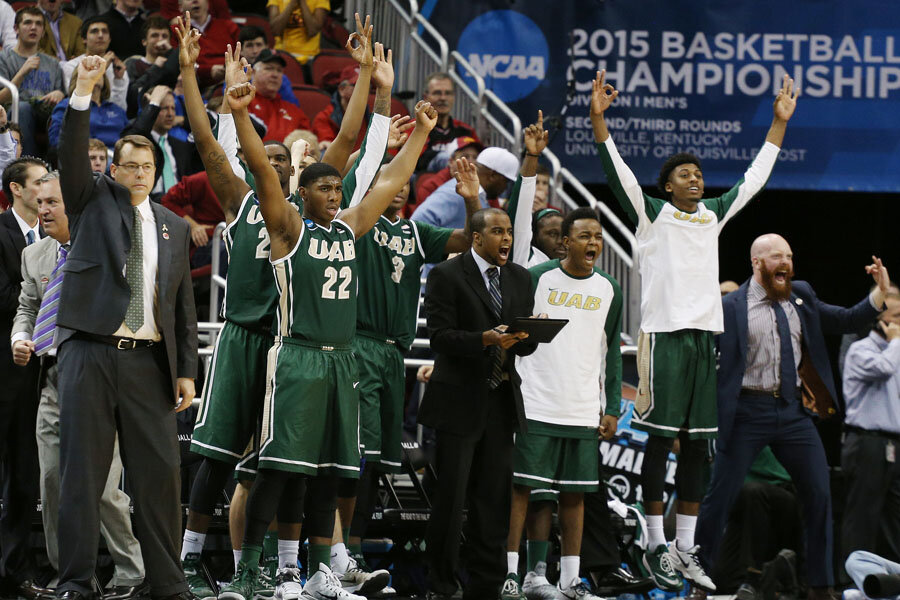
x=534, y=155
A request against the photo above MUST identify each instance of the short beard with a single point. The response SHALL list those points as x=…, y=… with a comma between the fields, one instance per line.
x=773, y=292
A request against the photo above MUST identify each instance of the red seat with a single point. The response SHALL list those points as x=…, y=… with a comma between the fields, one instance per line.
x=327, y=67
x=21, y=4
x=312, y=99
x=397, y=105
x=250, y=19
x=334, y=31
x=293, y=69
x=201, y=272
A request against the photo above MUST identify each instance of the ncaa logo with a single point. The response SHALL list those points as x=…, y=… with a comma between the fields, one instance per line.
x=508, y=50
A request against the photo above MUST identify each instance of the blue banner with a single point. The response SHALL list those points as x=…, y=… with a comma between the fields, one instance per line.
x=699, y=77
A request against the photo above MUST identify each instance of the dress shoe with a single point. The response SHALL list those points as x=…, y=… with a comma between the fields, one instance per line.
x=696, y=593
x=619, y=581
x=127, y=592
x=29, y=590
x=779, y=575
x=72, y=595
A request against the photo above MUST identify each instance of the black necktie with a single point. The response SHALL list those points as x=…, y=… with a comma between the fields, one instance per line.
x=493, y=274
x=788, y=369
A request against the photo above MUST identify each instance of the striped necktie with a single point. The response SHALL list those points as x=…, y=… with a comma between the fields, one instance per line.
x=45, y=324
x=493, y=274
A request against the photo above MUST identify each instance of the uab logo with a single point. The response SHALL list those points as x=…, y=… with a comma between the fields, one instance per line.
x=340, y=251
x=567, y=300
x=693, y=217
x=398, y=245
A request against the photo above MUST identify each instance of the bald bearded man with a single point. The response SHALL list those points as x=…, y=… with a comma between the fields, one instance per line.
x=772, y=326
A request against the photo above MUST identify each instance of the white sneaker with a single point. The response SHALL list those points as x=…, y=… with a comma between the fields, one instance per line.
x=323, y=585
x=288, y=585
x=359, y=579
x=578, y=590
x=688, y=564
x=535, y=585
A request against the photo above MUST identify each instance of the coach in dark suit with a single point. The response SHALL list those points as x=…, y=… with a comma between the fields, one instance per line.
x=774, y=375
x=128, y=350
x=19, y=398
x=474, y=404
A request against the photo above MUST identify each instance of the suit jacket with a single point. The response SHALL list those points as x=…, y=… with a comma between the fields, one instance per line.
x=12, y=243
x=38, y=262
x=458, y=307
x=69, y=35
x=187, y=158
x=95, y=294
x=816, y=319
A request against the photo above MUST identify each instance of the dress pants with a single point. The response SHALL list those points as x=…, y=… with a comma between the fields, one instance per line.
x=475, y=472
x=784, y=425
x=873, y=495
x=19, y=467
x=103, y=390
x=115, y=513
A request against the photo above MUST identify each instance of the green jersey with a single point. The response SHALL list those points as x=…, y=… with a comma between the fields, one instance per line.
x=250, y=294
x=391, y=257
x=317, y=285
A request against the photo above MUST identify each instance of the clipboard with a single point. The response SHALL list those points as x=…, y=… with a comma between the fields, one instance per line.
x=538, y=330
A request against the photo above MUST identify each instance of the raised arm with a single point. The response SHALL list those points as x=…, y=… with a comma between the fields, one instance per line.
x=228, y=187
x=522, y=199
x=282, y=220
x=466, y=186
x=362, y=217
x=342, y=146
x=783, y=109
x=75, y=176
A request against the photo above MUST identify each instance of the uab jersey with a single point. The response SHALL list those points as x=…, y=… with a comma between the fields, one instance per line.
x=317, y=285
x=250, y=293
x=391, y=257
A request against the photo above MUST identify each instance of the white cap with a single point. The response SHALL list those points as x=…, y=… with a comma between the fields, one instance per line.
x=501, y=160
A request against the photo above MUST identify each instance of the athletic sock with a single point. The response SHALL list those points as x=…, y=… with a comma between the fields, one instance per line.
x=354, y=549
x=684, y=531
x=512, y=563
x=568, y=570
x=339, y=559
x=237, y=557
x=250, y=556
x=192, y=543
x=288, y=553
x=318, y=553
x=537, y=552
x=655, y=532
x=270, y=545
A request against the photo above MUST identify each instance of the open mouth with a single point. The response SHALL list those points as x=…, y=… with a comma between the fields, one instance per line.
x=591, y=255
x=331, y=209
x=781, y=277
x=504, y=252
x=694, y=189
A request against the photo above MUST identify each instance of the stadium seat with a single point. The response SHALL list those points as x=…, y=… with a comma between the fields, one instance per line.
x=294, y=70
x=334, y=33
x=397, y=105
x=242, y=19
x=312, y=99
x=21, y=4
x=327, y=66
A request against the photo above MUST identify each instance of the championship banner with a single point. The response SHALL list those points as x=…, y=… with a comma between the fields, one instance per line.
x=698, y=77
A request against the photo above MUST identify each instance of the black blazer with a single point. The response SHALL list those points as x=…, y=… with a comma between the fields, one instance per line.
x=187, y=158
x=12, y=242
x=458, y=308
x=95, y=294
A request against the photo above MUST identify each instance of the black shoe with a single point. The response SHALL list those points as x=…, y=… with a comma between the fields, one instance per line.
x=746, y=592
x=619, y=581
x=29, y=590
x=779, y=575
x=179, y=596
x=127, y=592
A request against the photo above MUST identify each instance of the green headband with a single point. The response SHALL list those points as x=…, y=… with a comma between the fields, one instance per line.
x=544, y=212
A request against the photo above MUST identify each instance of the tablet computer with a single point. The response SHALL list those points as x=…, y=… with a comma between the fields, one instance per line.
x=538, y=330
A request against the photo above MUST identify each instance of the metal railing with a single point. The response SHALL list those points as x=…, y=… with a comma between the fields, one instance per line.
x=216, y=282
x=14, y=93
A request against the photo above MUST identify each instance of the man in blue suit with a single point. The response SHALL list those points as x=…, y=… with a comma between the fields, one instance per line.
x=774, y=376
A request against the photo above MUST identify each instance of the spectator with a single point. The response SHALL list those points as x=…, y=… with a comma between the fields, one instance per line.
x=279, y=116
x=327, y=123
x=253, y=41
x=10, y=149
x=96, y=36
x=7, y=24
x=216, y=34
x=296, y=25
x=309, y=137
x=99, y=154
x=37, y=75
x=62, y=38
x=125, y=25
x=107, y=119
x=169, y=9
x=464, y=147
x=872, y=435
x=440, y=91
x=445, y=208
x=194, y=200
x=155, y=37
x=542, y=189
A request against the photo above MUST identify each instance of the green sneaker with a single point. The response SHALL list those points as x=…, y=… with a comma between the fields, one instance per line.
x=265, y=584
x=243, y=584
x=511, y=589
x=193, y=573
x=659, y=565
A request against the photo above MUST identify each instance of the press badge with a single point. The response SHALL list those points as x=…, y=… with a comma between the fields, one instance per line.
x=890, y=452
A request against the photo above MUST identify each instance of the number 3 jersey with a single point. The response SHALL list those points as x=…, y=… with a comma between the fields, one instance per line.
x=317, y=285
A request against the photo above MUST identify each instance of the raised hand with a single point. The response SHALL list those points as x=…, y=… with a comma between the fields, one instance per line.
x=880, y=274
x=467, y=184
x=90, y=70
x=189, y=41
x=362, y=52
x=383, y=71
x=786, y=100
x=535, y=136
x=239, y=96
x=237, y=69
x=602, y=94
x=118, y=65
x=426, y=115
x=399, y=131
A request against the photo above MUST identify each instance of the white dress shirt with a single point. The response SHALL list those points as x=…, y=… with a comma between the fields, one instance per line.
x=149, y=330
x=25, y=227
x=483, y=267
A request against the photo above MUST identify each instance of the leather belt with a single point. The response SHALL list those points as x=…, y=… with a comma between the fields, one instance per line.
x=119, y=343
x=765, y=393
x=872, y=432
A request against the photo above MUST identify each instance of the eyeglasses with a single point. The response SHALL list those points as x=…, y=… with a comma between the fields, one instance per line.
x=132, y=168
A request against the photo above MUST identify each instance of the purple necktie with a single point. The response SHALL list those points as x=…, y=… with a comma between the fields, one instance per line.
x=45, y=326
